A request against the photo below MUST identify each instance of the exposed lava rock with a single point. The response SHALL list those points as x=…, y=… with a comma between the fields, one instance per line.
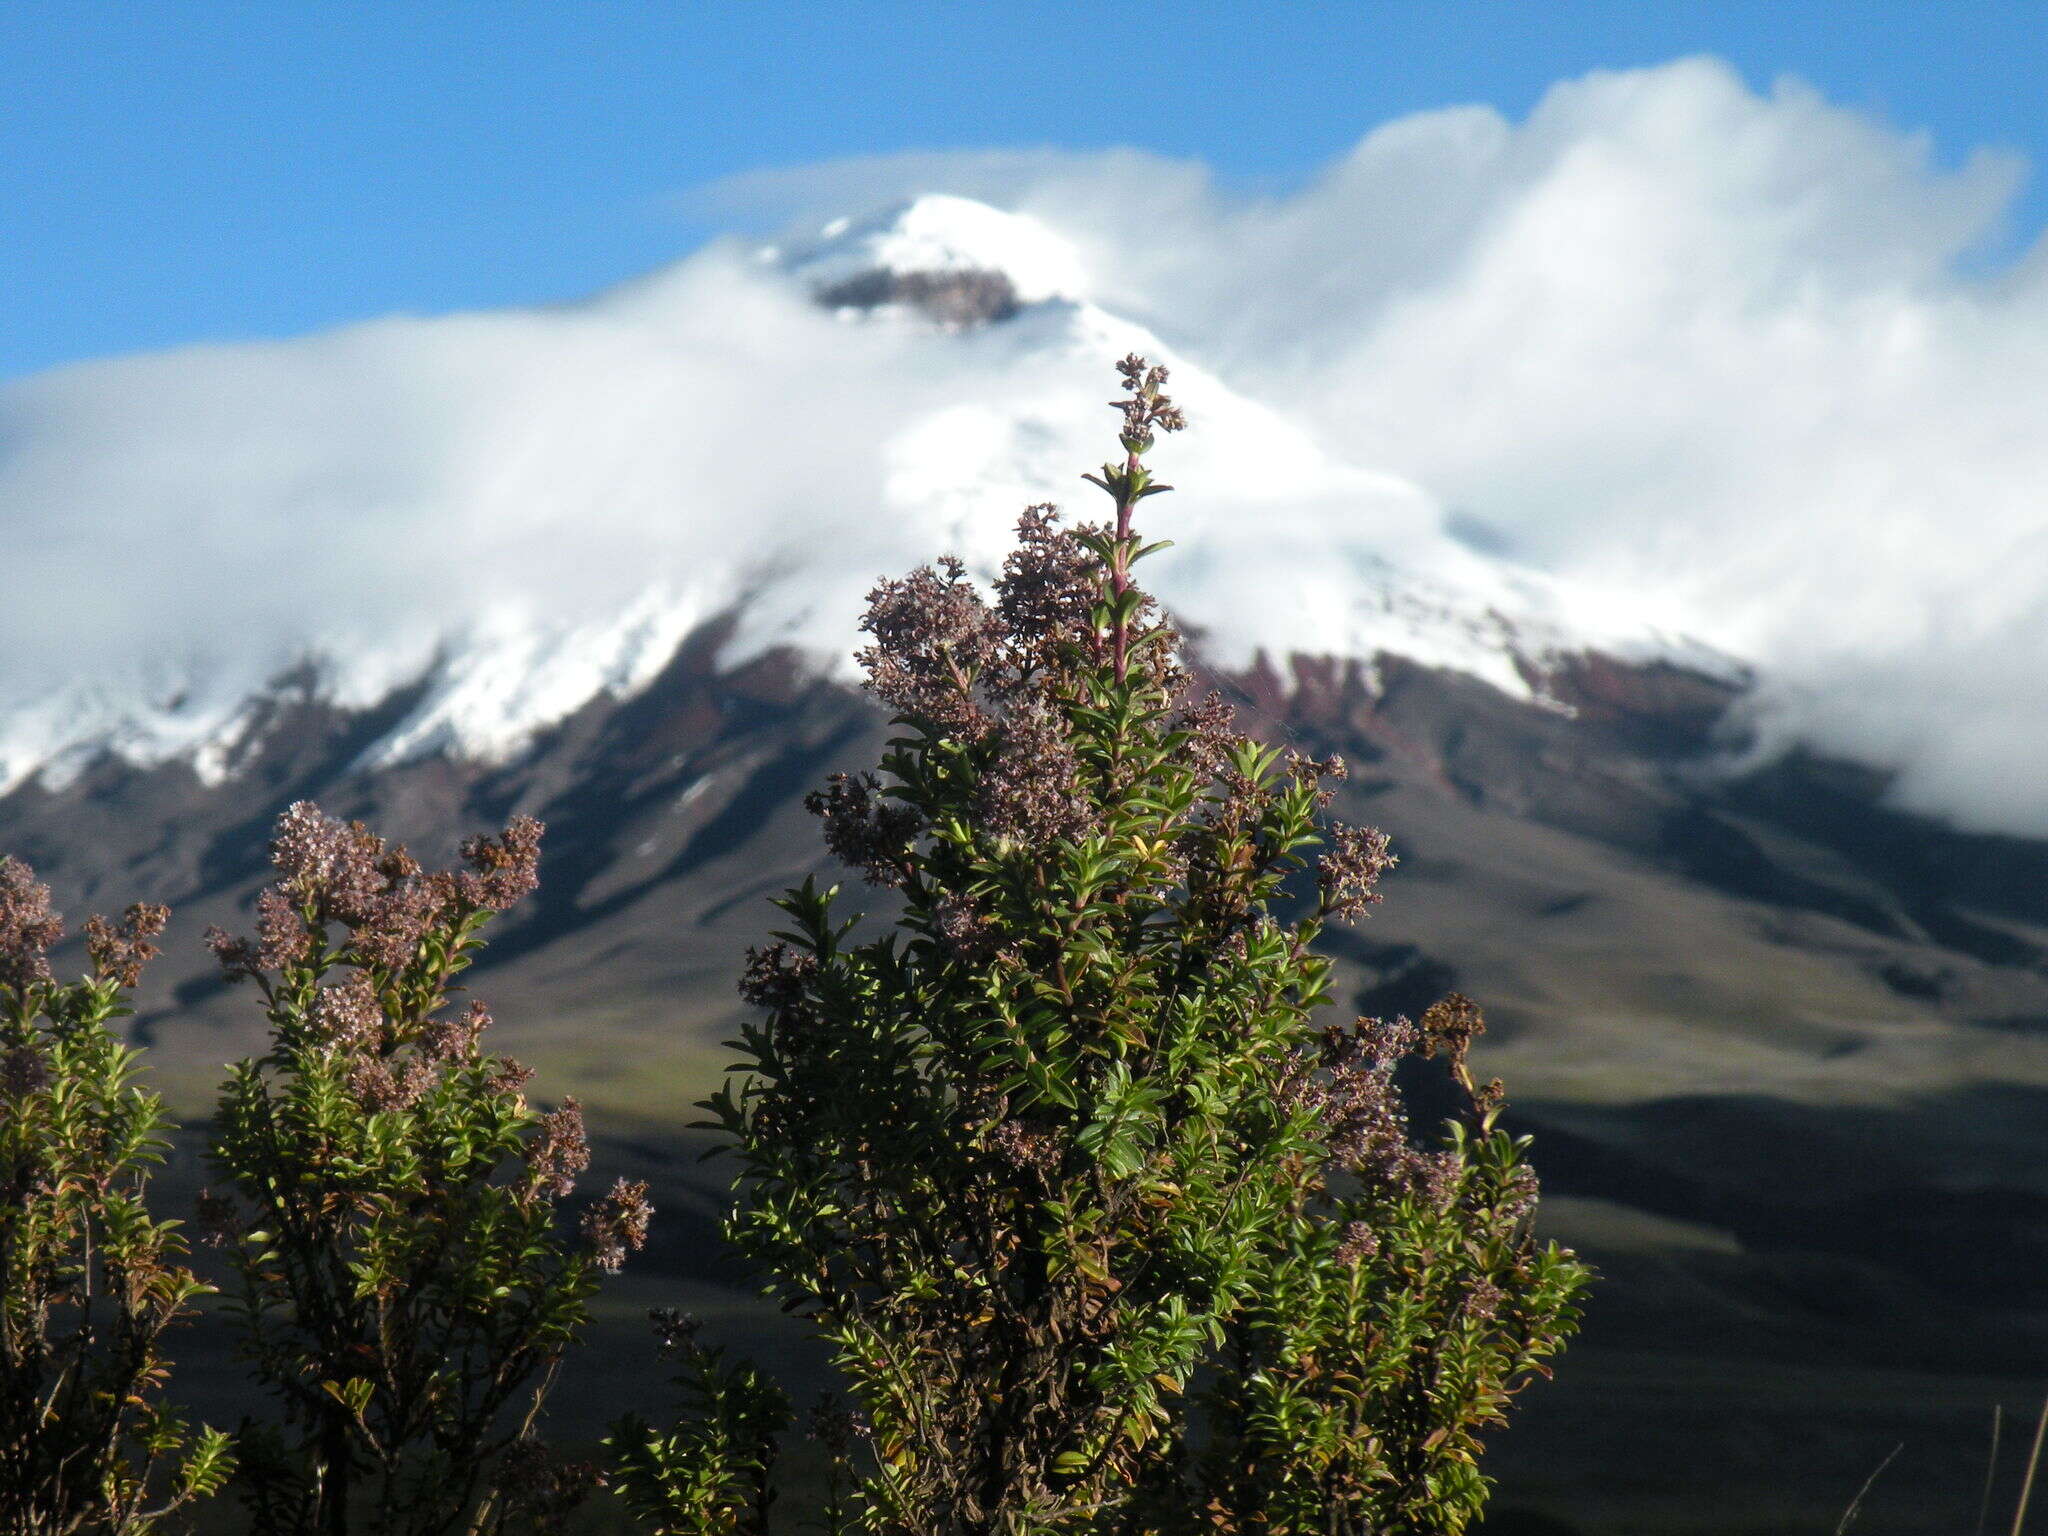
x=951, y=298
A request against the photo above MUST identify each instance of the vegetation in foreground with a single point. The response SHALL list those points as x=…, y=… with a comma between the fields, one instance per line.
x=1106, y=1228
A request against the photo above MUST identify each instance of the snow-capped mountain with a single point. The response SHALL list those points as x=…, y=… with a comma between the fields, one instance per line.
x=604, y=563
x=506, y=516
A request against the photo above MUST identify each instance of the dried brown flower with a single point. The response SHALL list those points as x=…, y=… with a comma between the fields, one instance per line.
x=544, y=1485
x=833, y=1424
x=121, y=950
x=775, y=976
x=507, y=867
x=1449, y=1026
x=509, y=1076
x=220, y=1219
x=963, y=927
x=1027, y=1148
x=1348, y=873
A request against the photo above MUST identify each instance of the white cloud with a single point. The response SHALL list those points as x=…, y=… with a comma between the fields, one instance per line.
x=1715, y=361
x=1728, y=354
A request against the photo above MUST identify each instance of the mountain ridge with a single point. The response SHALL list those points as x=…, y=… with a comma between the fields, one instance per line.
x=1287, y=548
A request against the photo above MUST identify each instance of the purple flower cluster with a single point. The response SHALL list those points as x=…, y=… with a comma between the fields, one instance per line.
x=1210, y=724
x=864, y=828
x=504, y=870
x=28, y=928
x=674, y=1329
x=383, y=1085
x=559, y=1152
x=1031, y=789
x=1482, y=1301
x=618, y=1223
x=336, y=872
x=934, y=640
x=1357, y=1243
x=963, y=926
x=349, y=1015
x=1046, y=595
x=1363, y=1117
x=454, y=1036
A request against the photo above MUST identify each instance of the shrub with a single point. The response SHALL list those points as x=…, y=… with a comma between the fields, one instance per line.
x=89, y=1282
x=1030, y=1159
x=402, y=1286
x=1401, y=1309
x=713, y=1470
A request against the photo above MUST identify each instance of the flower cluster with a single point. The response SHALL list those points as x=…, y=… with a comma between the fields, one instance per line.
x=349, y=1015
x=618, y=1223
x=1031, y=790
x=28, y=928
x=1145, y=408
x=559, y=1152
x=1361, y=1112
x=775, y=976
x=120, y=950
x=504, y=870
x=336, y=872
x=863, y=827
x=834, y=1425
x=1348, y=874
x=546, y=1486
x=1046, y=594
x=219, y=1219
x=1026, y=1147
x=934, y=640
x=23, y=1070
x=963, y=926
x=379, y=1135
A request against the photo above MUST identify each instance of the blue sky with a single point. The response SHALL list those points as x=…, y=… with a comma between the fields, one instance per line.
x=182, y=172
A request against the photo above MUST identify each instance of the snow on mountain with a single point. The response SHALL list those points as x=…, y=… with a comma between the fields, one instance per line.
x=938, y=235
x=520, y=511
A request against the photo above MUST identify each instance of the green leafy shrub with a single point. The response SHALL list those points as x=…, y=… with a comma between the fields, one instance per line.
x=402, y=1286
x=89, y=1281
x=1035, y=1157
x=712, y=1470
x=1404, y=1305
